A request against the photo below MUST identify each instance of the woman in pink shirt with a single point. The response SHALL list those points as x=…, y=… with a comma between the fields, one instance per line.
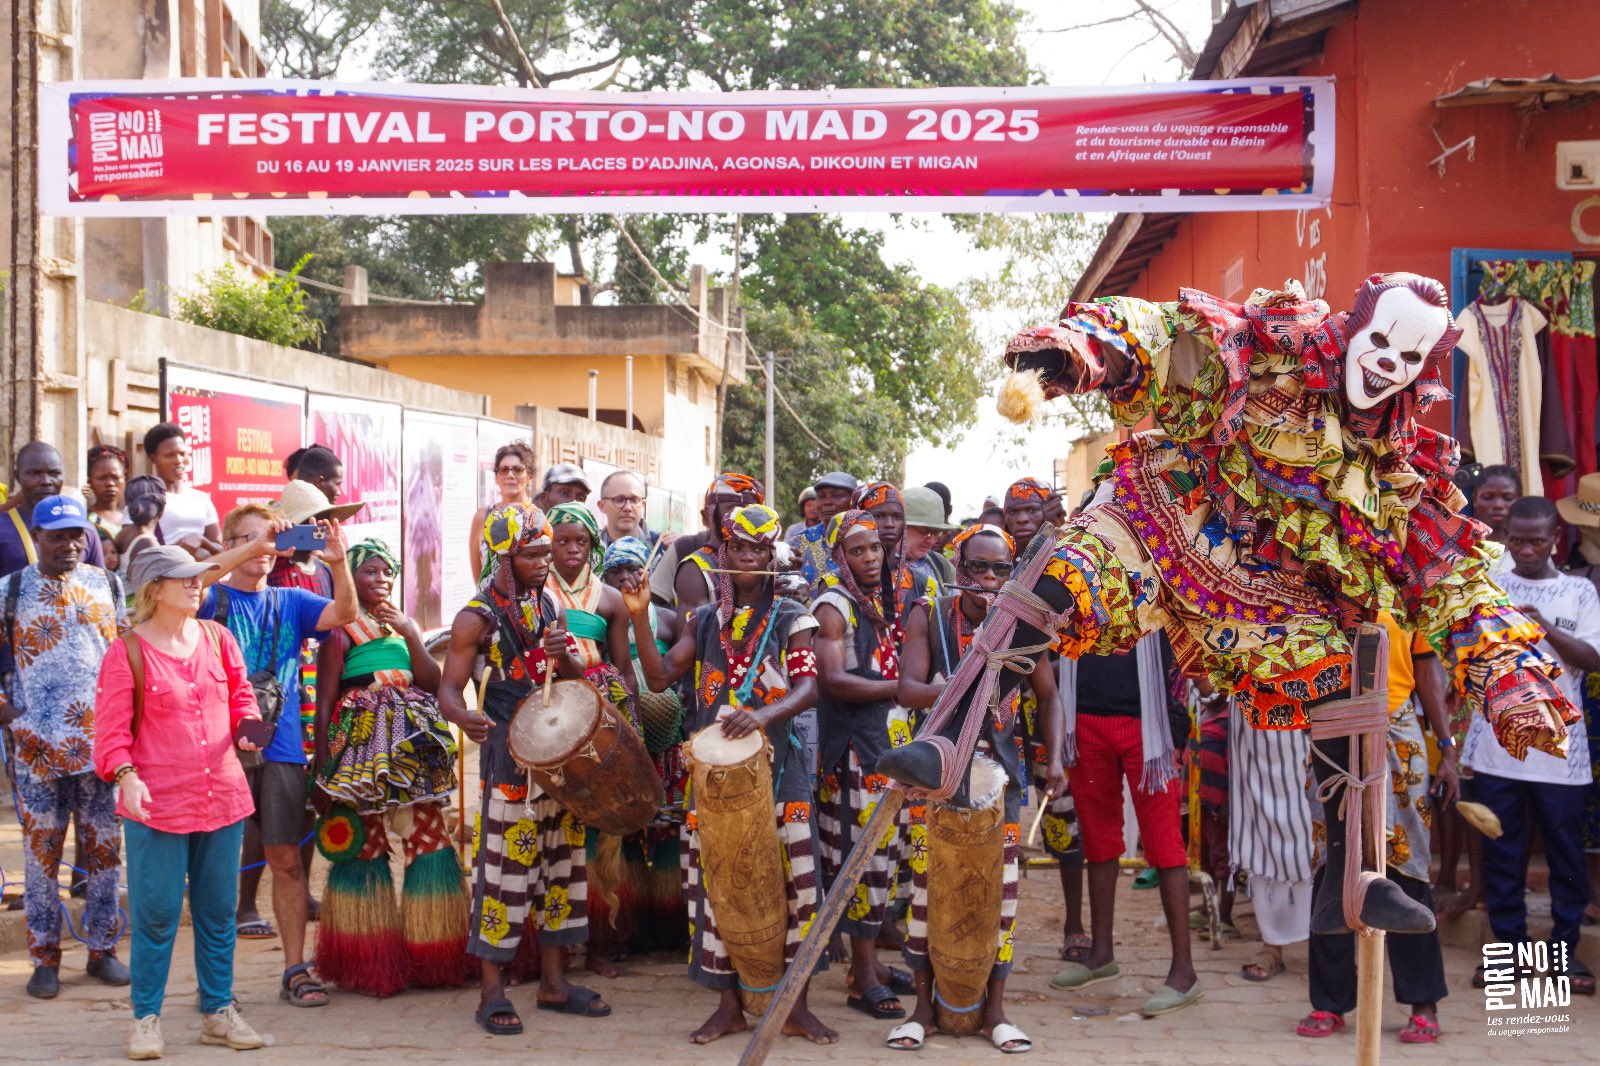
x=180, y=790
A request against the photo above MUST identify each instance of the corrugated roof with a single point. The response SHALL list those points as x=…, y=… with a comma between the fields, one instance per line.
x=1551, y=90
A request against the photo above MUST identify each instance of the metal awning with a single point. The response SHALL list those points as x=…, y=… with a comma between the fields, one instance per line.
x=1534, y=94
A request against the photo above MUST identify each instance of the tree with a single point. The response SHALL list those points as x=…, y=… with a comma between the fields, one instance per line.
x=271, y=309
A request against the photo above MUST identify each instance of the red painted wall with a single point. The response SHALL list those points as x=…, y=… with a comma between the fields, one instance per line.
x=1391, y=210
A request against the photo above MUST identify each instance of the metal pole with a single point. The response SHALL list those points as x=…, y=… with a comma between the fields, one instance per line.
x=594, y=387
x=772, y=481
x=627, y=380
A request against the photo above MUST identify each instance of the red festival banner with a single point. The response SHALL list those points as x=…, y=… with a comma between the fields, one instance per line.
x=136, y=148
x=240, y=431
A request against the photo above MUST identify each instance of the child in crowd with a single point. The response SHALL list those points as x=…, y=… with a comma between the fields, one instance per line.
x=1540, y=788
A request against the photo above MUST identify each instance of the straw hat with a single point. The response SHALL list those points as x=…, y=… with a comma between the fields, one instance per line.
x=1583, y=507
x=303, y=502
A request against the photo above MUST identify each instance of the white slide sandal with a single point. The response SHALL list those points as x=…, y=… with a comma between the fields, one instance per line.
x=1006, y=1033
x=912, y=1031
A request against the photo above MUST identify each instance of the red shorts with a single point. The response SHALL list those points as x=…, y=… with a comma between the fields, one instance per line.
x=1109, y=749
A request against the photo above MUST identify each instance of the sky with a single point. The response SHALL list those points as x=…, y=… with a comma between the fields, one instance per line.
x=992, y=453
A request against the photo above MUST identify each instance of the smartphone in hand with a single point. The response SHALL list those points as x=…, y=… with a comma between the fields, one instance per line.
x=303, y=538
x=255, y=731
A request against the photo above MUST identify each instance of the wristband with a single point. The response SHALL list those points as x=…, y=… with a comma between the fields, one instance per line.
x=122, y=771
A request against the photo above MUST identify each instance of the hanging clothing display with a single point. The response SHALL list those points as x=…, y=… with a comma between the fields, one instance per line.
x=1503, y=401
x=1564, y=293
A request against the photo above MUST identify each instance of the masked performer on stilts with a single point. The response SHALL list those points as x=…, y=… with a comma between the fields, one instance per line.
x=384, y=757
x=1287, y=496
x=530, y=872
x=750, y=876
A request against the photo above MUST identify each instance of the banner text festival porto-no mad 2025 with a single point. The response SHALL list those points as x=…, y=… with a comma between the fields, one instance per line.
x=138, y=148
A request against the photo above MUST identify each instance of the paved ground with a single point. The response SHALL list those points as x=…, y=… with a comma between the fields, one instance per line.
x=656, y=1007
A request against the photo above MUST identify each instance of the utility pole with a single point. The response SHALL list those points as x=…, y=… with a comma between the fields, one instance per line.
x=772, y=487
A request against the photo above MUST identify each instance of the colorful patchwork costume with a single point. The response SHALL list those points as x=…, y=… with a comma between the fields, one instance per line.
x=1287, y=495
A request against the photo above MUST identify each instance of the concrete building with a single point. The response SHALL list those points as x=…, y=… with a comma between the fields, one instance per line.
x=536, y=351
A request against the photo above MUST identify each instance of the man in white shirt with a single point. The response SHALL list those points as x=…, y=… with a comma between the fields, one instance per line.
x=1551, y=790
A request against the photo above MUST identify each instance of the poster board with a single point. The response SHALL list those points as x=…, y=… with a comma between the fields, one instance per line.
x=439, y=456
x=240, y=431
x=366, y=436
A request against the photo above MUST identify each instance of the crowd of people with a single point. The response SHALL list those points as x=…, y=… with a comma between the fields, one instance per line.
x=179, y=685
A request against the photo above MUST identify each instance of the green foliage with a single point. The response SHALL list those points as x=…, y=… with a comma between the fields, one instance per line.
x=272, y=309
x=818, y=375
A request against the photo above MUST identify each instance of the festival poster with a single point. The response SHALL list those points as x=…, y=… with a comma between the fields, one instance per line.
x=240, y=431
x=440, y=458
x=270, y=146
x=365, y=435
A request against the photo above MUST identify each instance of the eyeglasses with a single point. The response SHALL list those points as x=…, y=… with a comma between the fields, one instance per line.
x=978, y=566
x=517, y=471
x=625, y=501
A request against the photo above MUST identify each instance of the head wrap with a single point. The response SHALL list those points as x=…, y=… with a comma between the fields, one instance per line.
x=731, y=487
x=1027, y=490
x=845, y=523
x=756, y=523
x=567, y=513
x=625, y=551
x=372, y=548
x=960, y=540
x=508, y=529
x=876, y=494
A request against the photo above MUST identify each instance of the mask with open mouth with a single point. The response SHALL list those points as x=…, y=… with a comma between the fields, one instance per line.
x=1399, y=325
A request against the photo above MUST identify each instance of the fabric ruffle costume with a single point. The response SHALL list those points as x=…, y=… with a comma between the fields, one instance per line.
x=1286, y=496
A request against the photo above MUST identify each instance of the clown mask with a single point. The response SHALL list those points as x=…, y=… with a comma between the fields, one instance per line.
x=1390, y=351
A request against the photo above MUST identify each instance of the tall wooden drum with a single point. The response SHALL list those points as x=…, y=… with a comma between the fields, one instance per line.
x=741, y=857
x=966, y=849
x=581, y=751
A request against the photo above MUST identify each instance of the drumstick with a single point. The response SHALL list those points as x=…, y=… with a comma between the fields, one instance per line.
x=1033, y=830
x=766, y=573
x=654, y=548
x=549, y=679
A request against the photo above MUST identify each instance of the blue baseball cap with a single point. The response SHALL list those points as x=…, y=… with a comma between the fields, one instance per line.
x=61, y=512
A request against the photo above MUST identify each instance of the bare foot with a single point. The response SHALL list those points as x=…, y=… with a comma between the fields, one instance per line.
x=1459, y=904
x=803, y=1023
x=604, y=967
x=723, y=1020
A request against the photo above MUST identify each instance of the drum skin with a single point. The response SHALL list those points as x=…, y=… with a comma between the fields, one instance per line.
x=966, y=849
x=597, y=768
x=741, y=858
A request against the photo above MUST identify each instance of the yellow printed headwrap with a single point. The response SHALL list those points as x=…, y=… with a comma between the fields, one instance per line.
x=756, y=523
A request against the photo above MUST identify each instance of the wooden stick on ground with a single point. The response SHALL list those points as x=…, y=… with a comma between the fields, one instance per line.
x=816, y=942
x=1370, y=948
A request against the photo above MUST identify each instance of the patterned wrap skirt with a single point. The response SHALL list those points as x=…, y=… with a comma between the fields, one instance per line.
x=388, y=747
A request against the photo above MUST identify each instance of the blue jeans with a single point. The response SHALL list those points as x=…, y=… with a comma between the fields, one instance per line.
x=1559, y=813
x=158, y=864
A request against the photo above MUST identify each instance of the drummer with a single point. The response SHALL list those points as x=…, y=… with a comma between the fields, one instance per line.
x=938, y=633
x=529, y=862
x=752, y=657
x=694, y=582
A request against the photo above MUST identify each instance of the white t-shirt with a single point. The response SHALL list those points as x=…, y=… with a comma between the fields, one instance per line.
x=1571, y=604
x=189, y=511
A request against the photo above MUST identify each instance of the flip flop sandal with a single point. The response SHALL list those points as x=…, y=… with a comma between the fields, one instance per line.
x=1076, y=947
x=1006, y=1033
x=912, y=1031
x=1319, y=1023
x=874, y=1001
x=577, y=1002
x=1419, y=1030
x=901, y=983
x=1269, y=963
x=302, y=993
x=487, y=1011
x=1582, y=978
x=260, y=929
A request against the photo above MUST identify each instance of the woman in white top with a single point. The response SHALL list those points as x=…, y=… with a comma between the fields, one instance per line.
x=190, y=519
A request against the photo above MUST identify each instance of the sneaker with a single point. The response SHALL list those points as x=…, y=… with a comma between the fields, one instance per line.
x=227, y=1028
x=144, y=1039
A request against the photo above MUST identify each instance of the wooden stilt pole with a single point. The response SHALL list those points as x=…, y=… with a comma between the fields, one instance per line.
x=811, y=949
x=1370, y=948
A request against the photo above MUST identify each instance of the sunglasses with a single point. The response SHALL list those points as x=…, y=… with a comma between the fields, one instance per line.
x=978, y=566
